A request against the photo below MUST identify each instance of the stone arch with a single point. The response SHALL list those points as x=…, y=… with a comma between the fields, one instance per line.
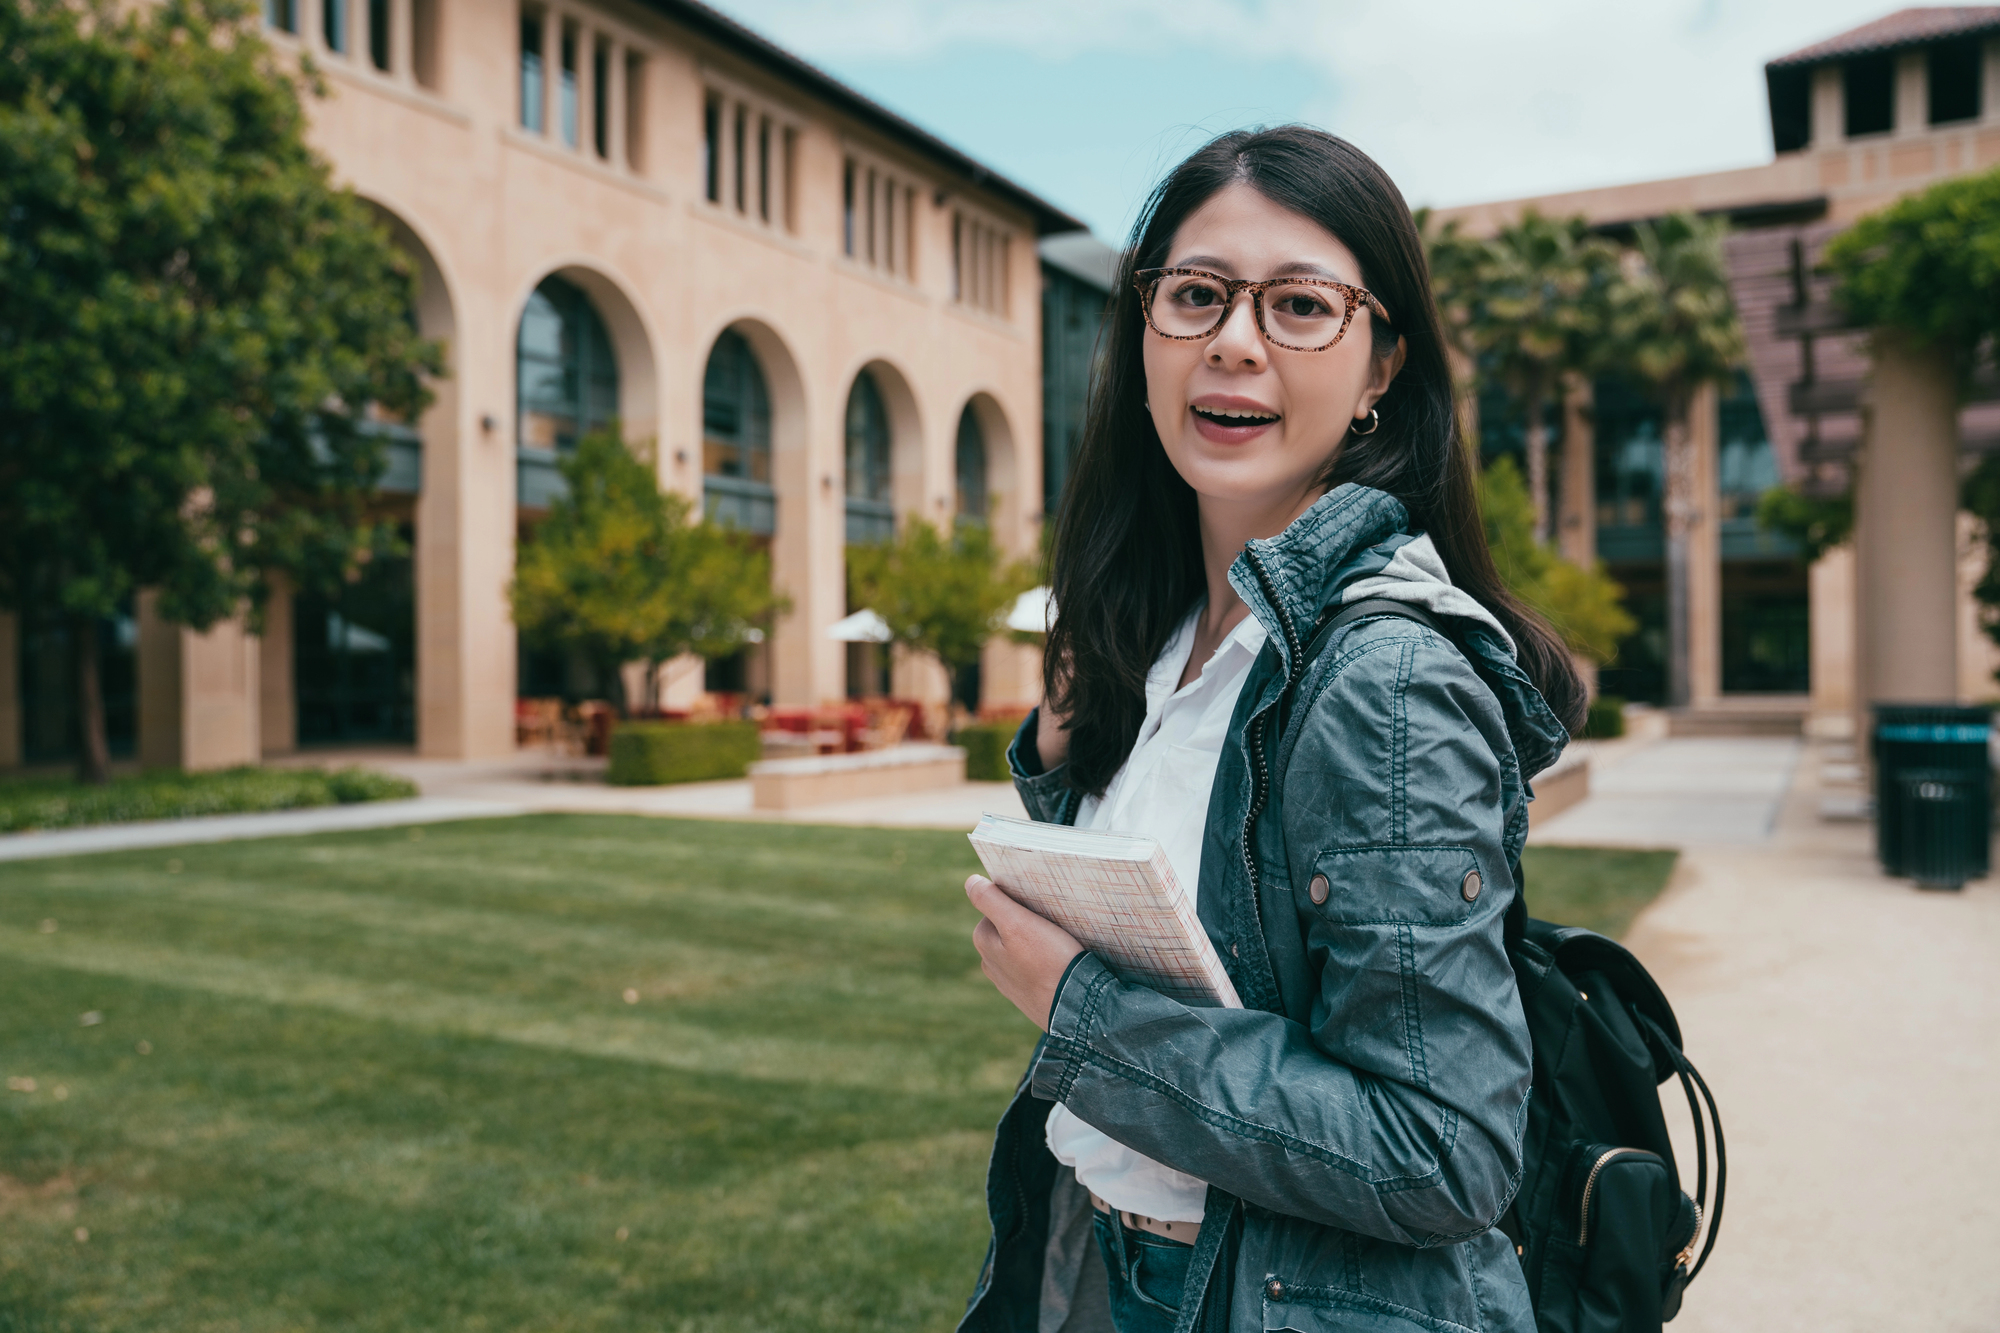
x=631, y=335
x=1006, y=512
x=908, y=473
x=781, y=669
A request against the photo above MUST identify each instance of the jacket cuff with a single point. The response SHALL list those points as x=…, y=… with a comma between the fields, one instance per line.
x=1072, y=1019
x=1043, y=791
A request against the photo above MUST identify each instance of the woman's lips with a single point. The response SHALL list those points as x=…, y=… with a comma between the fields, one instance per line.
x=1230, y=430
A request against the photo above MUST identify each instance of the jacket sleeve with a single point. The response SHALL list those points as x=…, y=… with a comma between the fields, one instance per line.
x=1397, y=1110
x=1044, y=792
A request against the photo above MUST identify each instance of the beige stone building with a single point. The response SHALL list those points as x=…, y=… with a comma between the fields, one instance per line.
x=1857, y=121
x=815, y=318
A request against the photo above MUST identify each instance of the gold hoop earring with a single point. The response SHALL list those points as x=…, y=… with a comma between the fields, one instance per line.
x=1374, y=424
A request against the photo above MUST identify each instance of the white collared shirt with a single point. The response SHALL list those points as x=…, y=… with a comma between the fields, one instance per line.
x=1162, y=793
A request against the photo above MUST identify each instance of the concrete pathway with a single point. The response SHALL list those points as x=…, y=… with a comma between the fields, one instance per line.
x=529, y=783
x=1849, y=1026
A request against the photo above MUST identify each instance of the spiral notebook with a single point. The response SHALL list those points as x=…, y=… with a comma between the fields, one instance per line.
x=1117, y=894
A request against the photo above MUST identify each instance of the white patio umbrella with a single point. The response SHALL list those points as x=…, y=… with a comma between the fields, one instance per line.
x=1034, y=611
x=863, y=626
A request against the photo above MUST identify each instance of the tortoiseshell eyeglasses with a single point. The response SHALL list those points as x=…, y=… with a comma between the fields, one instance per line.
x=1300, y=314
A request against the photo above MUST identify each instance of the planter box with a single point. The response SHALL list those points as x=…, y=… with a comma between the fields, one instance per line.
x=985, y=745
x=651, y=754
x=787, y=784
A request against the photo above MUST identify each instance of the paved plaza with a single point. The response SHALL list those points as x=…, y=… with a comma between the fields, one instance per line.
x=1849, y=1025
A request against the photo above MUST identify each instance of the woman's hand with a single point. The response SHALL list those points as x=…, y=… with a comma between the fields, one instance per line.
x=1022, y=954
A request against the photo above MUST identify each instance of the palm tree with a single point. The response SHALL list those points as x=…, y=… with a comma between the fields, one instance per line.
x=1535, y=314
x=1674, y=328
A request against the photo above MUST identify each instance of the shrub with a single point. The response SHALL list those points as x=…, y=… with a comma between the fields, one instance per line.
x=1606, y=718
x=167, y=794
x=651, y=754
x=985, y=745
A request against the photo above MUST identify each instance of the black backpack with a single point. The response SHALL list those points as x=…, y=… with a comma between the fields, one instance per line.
x=1603, y=1228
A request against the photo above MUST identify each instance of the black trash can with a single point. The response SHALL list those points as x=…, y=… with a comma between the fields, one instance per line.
x=1933, y=795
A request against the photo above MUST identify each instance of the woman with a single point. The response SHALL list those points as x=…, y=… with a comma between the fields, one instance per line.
x=1273, y=436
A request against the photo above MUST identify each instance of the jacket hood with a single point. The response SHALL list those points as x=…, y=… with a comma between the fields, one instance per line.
x=1355, y=543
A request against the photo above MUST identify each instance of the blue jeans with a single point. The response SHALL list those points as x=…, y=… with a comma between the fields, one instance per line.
x=1147, y=1273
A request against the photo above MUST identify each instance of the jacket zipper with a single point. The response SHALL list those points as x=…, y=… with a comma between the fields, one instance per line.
x=1256, y=729
x=1590, y=1187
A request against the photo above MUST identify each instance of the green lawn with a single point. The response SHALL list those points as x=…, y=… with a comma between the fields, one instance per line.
x=559, y=1072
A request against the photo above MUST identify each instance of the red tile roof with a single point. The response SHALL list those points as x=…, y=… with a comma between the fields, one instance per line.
x=1904, y=28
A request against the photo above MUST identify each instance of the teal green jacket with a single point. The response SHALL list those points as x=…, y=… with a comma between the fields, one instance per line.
x=1360, y=1119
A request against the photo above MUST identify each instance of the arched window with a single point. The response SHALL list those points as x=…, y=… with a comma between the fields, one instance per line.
x=871, y=514
x=567, y=378
x=971, y=467
x=736, y=438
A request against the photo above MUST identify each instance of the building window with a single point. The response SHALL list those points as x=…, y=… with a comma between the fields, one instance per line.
x=533, y=93
x=1956, y=70
x=600, y=97
x=1869, y=86
x=282, y=15
x=747, y=153
x=635, y=112
x=424, y=42
x=1790, y=92
x=980, y=264
x=567, y=379
x=333, y=25
x=378, y=34
x=878, y=216
x=871, y=514
x=736, y=439
x=971, y=467
x=566, y=104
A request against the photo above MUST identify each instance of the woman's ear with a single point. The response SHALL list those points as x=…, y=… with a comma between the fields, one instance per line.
x=1381, y=373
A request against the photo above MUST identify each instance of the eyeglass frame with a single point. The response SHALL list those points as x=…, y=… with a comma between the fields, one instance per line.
x=1146, y=282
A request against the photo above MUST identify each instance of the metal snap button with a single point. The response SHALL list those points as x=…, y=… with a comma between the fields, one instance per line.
x=1470, y=886
x=1318, y=889
x=1274, y=1290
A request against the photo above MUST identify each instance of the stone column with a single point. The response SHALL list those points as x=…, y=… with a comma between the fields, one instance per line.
x=1906, y=507
x=1912, y=109
x=401, y=29
x=1829, y=108
x=586, y=92
x=1705, y=553
x=1576, y=488
x=10, y=690
x=278, y=700
x=199, y=694
x=1830, y=617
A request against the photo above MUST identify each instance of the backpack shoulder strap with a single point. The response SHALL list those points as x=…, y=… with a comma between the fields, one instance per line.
x=1331, y=621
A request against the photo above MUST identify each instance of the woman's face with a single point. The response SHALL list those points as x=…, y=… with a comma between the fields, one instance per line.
x=1299, y=405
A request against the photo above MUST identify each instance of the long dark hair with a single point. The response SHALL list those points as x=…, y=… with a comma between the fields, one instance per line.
x=1127, y=557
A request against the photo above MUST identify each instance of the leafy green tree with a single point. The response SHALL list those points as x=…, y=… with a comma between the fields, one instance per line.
x=941, y=593
x=1927, y=265
x=193, y=316
x=1817, y=524
x=1585, y=605
x=1530, y=307
x=1674, y=327
x=618, y=574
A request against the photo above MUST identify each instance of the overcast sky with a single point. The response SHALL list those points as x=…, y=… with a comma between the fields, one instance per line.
x=1086, y=102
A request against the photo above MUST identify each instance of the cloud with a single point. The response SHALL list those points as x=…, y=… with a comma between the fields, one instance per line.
x=1462, y=100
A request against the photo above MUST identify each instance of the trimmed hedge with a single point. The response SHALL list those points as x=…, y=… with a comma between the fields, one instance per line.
x=167, y=794
x=1606, y=718
x=652, y=754
x=985, y=745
